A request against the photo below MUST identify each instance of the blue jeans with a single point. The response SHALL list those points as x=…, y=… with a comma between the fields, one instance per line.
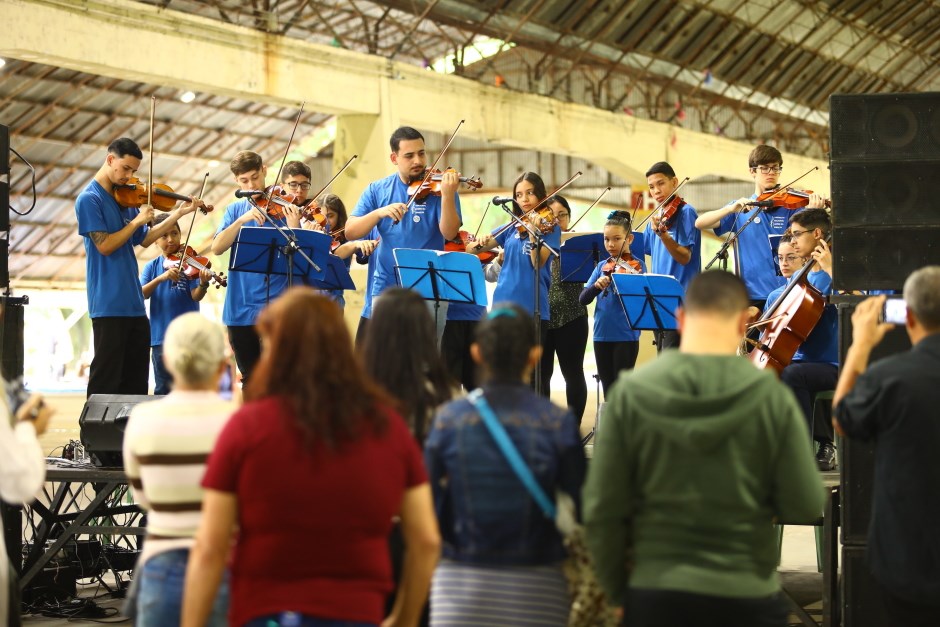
x=160, y=592
x=293, y=619
x=161, y=377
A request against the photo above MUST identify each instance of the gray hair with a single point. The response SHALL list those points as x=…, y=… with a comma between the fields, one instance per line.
x=922, y=294
x=193, y=348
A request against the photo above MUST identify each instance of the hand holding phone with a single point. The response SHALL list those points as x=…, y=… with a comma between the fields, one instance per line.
x=894, y=311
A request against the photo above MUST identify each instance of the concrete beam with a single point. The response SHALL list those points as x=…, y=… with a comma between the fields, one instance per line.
x=124, y=39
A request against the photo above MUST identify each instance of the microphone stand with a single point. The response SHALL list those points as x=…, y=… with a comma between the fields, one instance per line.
x=536, y=285
x=723, y=251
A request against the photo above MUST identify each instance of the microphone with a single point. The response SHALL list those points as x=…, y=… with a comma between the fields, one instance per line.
x=245, y=193
x=502, y=201
x=760, y=204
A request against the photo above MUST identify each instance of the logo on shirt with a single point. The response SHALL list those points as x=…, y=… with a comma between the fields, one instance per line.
x=416, y=218
x=778, y=222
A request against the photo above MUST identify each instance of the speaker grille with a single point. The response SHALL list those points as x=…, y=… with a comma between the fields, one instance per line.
x=875, y=126
x=881, y=258
x=885, y=193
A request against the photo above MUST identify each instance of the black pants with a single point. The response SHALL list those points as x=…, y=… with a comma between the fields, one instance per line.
x=671, y=608
x=455, y=351
x=666, y=339
x=121, y=364
x=902, y=613
x=247, y=348
x=611, y=358
x=568, y=342
x=361, y=331
x=806, y=380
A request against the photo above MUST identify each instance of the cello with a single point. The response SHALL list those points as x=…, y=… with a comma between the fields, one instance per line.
x=788, y=322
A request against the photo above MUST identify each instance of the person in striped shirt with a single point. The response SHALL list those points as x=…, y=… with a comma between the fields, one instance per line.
x=166, y=445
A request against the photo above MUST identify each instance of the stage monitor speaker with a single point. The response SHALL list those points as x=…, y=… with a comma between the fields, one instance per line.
x=11, y=332
x=884, y=127
x=858, y=459
x=102, y=425
x=861, y=594
x=881, y=258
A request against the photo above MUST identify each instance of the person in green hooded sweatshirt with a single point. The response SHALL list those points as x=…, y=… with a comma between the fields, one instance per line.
x=700, y=454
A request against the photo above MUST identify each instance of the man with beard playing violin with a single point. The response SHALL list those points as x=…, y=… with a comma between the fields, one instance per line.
x=427, y=224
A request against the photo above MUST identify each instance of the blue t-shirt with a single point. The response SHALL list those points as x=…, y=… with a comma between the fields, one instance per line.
x=753, y=254
x=515, y=279
x=610, y=319
x=419, y=228
x=684, y=232
x=822, y=345
x=465, y=311
x=110, y=280
x=168, y=300
x=247, y=292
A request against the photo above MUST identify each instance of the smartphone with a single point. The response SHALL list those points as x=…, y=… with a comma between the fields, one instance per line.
x=895, y=311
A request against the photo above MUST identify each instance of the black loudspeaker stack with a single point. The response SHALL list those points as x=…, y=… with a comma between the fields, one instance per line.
x=4, y=205
x=884, y=166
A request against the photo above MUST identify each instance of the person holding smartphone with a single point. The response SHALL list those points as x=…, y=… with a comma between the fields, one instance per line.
x=894, y=403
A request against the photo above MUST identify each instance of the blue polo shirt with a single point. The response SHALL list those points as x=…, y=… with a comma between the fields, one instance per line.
x=419, y=228
x=822, y=345
x=110, y=280
x=515, y=283
x=753, y=255
x=168, y=300
x=610, y=319
x=684, y=232
x=247, y=292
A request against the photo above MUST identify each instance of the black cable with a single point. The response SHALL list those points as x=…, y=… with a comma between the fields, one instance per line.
x=33, y=174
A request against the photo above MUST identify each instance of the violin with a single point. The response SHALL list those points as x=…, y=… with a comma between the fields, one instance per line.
x=460, y=246
x=133, y=194
x=193, y=264
x=788, y=198
x=668, y=214
x=622, y=266
x=273, y=200
x=543, y=218
x=431, y=185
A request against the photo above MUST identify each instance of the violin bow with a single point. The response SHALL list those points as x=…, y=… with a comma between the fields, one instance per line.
x=783, y=188
x=606, y=189
x=427, y=173
x=480, y=225
x=191, y=223
x=290, y=140
x=335, y=176
x=665, y=201
x=153, y=108
x=540, y=203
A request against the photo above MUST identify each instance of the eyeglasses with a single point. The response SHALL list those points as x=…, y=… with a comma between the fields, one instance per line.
x=798, y=233
x=788, y=258
x=563, y=215
x=296, y=186
x=770, y=169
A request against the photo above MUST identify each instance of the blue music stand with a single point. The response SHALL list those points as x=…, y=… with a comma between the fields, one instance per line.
x=267, y=251
x=586, y=250
x=649, y=300
x=335, y=276
x=441, y=276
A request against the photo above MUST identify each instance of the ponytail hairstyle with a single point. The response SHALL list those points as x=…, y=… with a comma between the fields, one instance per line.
x=620, y=218
x=505, y=337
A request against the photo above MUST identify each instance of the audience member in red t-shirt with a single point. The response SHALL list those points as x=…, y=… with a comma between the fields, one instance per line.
x=311, y=471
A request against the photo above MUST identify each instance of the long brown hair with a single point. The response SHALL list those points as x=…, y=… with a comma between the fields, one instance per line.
x=400, y=352
x=307, y=360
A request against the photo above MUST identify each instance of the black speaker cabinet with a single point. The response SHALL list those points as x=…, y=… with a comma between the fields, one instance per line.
x=861, y=594
x=885, y=159
x=102, y=425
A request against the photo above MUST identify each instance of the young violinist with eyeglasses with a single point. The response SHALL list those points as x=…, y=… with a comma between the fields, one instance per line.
x=383, y=206
x=115, y=299
x=248, y=292
x=674, y=245
x=616, y=343
x=753, y=255
x=815, y=365
x=171, y=294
